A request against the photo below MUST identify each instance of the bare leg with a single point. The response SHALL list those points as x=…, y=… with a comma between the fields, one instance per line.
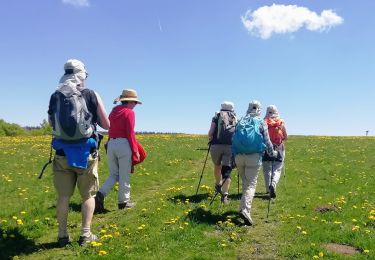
x=217, y=174
x=225, y=187
x=87, y=210
x=62, y=215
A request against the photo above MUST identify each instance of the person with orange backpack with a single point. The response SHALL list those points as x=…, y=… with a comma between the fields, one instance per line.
x=272, y=167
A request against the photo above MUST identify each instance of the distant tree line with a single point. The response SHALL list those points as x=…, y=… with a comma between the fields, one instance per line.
x=156, y=133
x=11, y=129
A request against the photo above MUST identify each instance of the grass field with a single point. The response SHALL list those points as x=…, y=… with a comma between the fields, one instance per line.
x=326, y=201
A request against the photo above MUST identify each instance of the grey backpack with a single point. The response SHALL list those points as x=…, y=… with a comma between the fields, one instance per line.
x=71, y=120
x=225, y=127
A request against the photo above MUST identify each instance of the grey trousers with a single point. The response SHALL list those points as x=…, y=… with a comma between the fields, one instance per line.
x=119, y=157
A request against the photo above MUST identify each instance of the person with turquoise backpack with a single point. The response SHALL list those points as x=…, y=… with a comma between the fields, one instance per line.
x=250, y=141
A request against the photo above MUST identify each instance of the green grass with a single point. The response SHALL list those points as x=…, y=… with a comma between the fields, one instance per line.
x=170, y=222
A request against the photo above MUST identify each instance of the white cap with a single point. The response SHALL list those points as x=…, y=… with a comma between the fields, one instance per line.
x=227, y=105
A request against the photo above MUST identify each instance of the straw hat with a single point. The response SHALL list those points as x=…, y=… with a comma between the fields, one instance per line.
x=128, y=95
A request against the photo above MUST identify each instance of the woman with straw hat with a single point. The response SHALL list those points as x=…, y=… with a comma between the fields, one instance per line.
x=122, y=149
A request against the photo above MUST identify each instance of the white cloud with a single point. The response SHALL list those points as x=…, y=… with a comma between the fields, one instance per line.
x=77, y=3
x=281, y=19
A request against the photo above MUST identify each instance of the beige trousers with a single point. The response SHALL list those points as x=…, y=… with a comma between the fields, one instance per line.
x=248, y=166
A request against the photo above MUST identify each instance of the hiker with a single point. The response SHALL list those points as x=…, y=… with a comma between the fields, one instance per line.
x=271, y=167
x=123, y=148
x=76, y=158
x=250, y=140
x=220, y=139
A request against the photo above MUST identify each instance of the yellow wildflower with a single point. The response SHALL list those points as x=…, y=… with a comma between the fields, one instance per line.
x=102, y=253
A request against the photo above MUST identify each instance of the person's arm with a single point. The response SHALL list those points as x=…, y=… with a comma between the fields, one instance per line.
x=50, y=109
x=284, y=131
x=269, y=146
x=211, y=131
x=213, y=126
x=103, y=120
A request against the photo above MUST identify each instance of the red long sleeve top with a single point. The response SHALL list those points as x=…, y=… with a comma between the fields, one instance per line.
x=122, y=122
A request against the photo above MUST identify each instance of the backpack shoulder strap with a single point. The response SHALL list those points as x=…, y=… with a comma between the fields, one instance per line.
x=91, y=103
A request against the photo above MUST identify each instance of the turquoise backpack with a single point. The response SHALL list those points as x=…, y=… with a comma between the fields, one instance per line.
x=247, y=138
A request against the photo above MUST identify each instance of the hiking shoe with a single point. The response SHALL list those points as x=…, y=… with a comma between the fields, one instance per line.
x=272, y=192
x=225, y=198
x=84, y=240
x=99, y=202
x=63, y=241
x=126, y=205
x=218, y=188
x=246, y=218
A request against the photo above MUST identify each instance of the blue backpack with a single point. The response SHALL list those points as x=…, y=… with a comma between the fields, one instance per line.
x=247, y=138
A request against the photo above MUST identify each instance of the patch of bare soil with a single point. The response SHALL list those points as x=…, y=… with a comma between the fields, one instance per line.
x=326, y=208
x=341, y=249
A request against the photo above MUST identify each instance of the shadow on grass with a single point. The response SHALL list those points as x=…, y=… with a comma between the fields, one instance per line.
x=202, y=216
x=200, y=197
x=13, y=243
x=103, y=211
x=76, y=207
x=192, y=199
x=263, y=196
x=236, y=196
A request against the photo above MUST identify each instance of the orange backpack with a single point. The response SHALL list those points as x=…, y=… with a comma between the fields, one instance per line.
x=275, y=130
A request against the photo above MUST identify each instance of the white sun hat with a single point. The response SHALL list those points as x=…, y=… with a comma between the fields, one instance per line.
x=75, y=71
x=254, y=108
x=272, y=111
x=227, y=105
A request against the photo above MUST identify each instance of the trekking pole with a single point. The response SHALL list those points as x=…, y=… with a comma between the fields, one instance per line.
x=238, y=183
x=284, y=175
x=47, y=163
x=217, y=192
x=283, y=161
x=204, y=166
x=233, y=159
x=100, y=138
x=269, y=201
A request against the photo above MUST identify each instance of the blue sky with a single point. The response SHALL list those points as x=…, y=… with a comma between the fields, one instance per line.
x=313, y=59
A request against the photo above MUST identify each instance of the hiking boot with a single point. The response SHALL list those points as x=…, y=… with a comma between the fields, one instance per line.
x=225, y=198
x=126, y=205
x=218, y=188
x=84, y=240
x=99, y=202
x=246, y=218
x=63, y=241
x=272, y=192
